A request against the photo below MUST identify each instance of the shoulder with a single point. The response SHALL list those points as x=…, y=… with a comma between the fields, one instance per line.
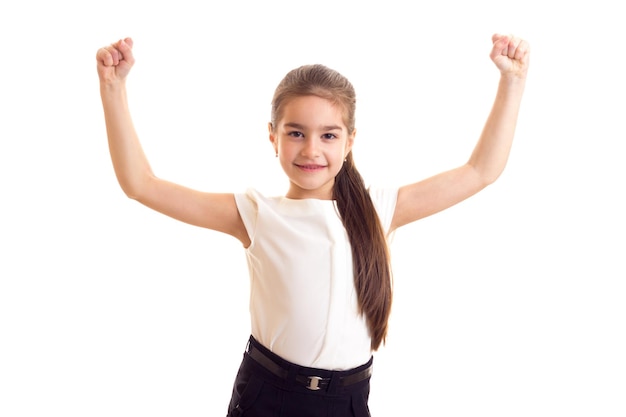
x=380, y=194
x=384, y=199
x=253, y=197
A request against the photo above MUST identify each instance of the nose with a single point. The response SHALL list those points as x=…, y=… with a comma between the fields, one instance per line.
x=310, y=149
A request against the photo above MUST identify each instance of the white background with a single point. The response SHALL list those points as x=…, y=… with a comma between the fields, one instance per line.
x=509, y=304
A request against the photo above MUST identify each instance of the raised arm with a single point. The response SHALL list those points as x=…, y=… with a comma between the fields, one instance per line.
x=134, y=174
x=421, y=199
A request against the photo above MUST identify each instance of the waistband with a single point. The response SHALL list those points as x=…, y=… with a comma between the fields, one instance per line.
x=313, y=379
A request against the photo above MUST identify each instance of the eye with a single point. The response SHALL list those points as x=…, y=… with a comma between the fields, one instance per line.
x=329, y=136
x=295, y=134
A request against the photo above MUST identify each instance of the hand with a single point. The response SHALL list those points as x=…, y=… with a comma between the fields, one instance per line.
x=510, y=54
x=115, y=61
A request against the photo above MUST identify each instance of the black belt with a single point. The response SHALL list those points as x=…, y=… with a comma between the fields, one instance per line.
x=311, y=382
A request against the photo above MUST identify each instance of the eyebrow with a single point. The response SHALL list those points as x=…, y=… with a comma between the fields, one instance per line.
x=301, y=127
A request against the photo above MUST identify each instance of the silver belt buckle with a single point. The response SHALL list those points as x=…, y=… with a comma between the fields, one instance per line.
x=314, y=383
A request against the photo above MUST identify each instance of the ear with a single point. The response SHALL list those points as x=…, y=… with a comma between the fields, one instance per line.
x=272, y=135
x=350, y=142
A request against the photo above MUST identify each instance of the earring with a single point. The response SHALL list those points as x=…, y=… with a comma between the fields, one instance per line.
x=276, y=154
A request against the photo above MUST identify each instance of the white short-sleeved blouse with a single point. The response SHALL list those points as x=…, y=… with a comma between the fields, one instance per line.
x=303, y=303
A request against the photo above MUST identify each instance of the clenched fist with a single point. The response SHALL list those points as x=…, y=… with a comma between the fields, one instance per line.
x=511, y=55
x=115, y=61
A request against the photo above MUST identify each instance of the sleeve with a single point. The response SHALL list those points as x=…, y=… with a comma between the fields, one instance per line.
x=248, y=210
x=384, y=199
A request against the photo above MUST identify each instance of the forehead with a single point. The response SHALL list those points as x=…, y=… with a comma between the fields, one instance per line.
x=312, y=111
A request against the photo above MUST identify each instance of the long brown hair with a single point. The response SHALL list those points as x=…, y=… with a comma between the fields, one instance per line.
x=370, y=256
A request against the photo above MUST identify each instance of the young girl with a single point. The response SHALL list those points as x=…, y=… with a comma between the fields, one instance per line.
x=319, y=267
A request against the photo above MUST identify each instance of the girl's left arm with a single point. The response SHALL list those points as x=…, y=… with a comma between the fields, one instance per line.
x=415, y=201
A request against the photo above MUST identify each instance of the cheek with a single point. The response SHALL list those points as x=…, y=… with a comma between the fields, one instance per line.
x=285, y=153
x=282, y=148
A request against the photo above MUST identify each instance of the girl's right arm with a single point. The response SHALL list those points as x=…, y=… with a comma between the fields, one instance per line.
x=210, y=210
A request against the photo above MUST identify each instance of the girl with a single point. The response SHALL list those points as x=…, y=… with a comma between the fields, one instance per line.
x=319, y=266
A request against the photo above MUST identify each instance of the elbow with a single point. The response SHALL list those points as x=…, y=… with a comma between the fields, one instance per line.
x=130, y=191
x=489, y=178
x=133, y=188
x=486, y=177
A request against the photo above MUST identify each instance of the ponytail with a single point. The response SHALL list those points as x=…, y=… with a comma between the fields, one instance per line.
x=370, y=256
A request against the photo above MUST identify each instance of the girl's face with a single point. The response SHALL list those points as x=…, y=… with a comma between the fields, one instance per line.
x=311, y=141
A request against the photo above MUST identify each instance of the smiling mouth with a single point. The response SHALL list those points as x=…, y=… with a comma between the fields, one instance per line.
x=310, y=167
